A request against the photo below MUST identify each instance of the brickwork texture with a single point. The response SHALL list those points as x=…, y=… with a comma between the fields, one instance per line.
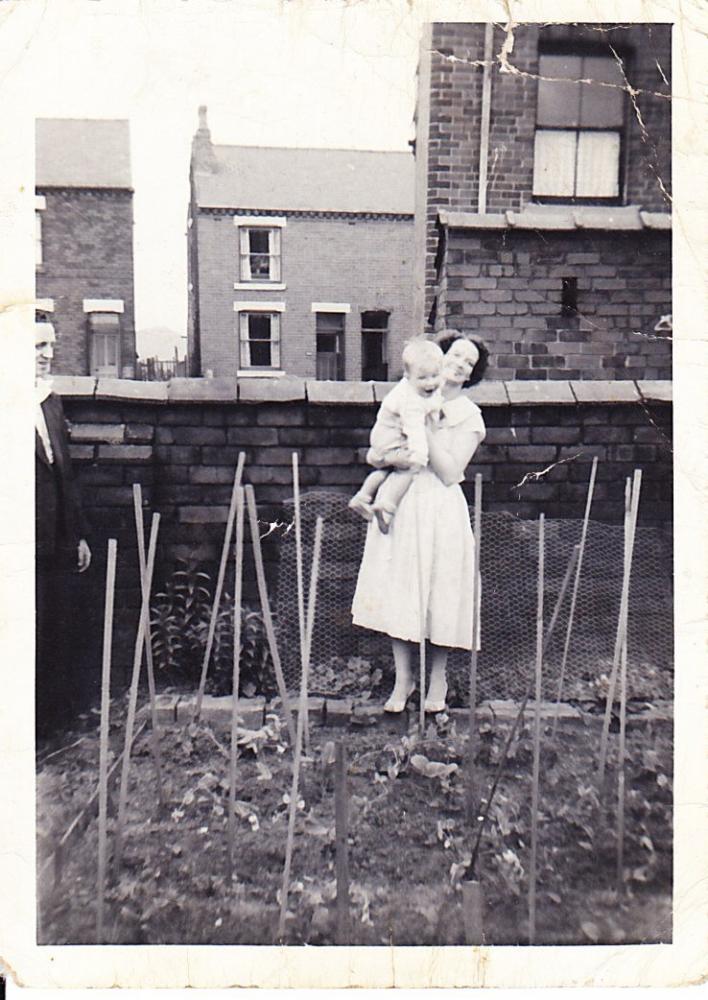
x=87, y=249
x=536, y=457
x=365, y=262
x=506, y=285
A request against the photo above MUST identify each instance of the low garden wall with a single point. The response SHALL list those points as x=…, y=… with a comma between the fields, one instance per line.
x=181, y=441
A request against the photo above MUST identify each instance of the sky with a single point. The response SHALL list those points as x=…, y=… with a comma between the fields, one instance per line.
x=320, y=74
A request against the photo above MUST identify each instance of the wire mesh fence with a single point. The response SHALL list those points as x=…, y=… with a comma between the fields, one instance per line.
x=509, y=564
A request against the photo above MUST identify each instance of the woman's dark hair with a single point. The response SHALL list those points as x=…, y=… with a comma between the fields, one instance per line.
x=445, y=340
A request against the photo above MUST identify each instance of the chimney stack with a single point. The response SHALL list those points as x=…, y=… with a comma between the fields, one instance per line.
x=203, y=156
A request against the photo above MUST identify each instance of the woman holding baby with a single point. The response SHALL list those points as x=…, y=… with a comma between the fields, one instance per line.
x=419, y=536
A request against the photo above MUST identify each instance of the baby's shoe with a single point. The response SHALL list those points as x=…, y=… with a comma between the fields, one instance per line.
x=360, y=505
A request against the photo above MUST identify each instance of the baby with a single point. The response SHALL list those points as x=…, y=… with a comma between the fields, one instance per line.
x=399, y=433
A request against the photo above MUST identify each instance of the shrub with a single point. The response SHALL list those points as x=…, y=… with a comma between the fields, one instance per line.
x=179, y=618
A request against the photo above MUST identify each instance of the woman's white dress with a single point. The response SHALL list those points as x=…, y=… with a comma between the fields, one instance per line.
x=426, y=561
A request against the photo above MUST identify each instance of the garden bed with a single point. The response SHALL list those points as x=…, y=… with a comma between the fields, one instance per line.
x=408, y=841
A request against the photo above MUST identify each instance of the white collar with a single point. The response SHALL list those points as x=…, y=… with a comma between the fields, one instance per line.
x=42, y=389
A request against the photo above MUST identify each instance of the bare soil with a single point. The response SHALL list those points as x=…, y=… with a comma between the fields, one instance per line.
x=409, y=844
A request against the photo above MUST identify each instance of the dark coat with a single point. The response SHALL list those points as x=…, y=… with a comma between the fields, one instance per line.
x=59, y=522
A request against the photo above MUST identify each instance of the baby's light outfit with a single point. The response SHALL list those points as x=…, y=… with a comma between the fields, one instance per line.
x=400, y=423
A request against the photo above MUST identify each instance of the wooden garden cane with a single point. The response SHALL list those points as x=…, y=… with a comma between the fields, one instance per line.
x=300, y=584
x=341, y=814
x=476, y=610
x=574, y=596
x=294, y=789
x=265, y=607
x=155, y=732
x=238, y=591
x=519, y=715
x=422, y=614
x=133, y=697
x=219, y=585
x=623, y=713
x=103, y=747
x=536, y=734
x=622, y=622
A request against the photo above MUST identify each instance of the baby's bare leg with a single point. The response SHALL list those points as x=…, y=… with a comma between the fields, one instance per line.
x=389, y=495
x=363, y=498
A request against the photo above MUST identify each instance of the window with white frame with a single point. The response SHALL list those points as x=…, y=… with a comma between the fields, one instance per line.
x=580, y=120
x=329, y=340
x=259, y=336
x=260, y=253
x=104, y=343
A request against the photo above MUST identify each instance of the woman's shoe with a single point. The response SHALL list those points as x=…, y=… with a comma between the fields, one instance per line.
x=435, y=705
x=384, y=516
x=396, y=706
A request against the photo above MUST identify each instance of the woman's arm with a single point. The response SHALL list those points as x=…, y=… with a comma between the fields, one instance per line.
x=449, y=464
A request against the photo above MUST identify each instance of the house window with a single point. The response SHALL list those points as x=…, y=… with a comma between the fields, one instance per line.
x=260, y=340
x=104, y=343
x=260, y=253
x=374, y=345
x=579, y=127
x=329, y=332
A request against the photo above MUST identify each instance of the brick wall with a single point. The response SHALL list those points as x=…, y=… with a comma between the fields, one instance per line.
x=505, y=287
x=87, y=242
x=181, y=442
x=450, y=115
x=365, y=262
x=455, y=113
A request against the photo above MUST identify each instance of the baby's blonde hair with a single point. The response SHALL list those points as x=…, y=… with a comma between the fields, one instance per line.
x=419, y=350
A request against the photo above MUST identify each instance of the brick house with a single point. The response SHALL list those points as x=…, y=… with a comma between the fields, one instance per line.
x=84, y=244
x=543, y=212
x=300, y=261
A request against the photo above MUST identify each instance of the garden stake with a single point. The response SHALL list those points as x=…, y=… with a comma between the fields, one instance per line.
x=622, y=623
x=520, y=714
x=576, y=585
x=133, y=697
x=265, y=606
x=103, y=746
x=476, y=610
x=238, y=590
x=623, y=713
x=341, y=810
x=294, y=788
x=219, y=584
x=473, y=912
x=422, y=615
x=155, y=733
x=536, y=734
x=300, y=581
x=79, y=823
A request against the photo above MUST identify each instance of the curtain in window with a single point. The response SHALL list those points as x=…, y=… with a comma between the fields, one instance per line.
x=259, y=335
x=259, y=251
x=554, y=164
x=598, y=161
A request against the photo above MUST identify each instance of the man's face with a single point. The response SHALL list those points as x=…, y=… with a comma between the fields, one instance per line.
x=44, y=339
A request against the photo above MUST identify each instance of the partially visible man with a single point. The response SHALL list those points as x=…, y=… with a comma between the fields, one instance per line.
x=61, y=547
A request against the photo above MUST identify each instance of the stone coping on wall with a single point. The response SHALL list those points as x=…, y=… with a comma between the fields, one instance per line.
x=231, y=390
x=620, y=218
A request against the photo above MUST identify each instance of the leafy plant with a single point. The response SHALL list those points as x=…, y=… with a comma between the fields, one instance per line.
x=179, y=617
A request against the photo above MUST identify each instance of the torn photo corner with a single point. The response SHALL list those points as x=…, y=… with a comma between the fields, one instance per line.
x=273, y=719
